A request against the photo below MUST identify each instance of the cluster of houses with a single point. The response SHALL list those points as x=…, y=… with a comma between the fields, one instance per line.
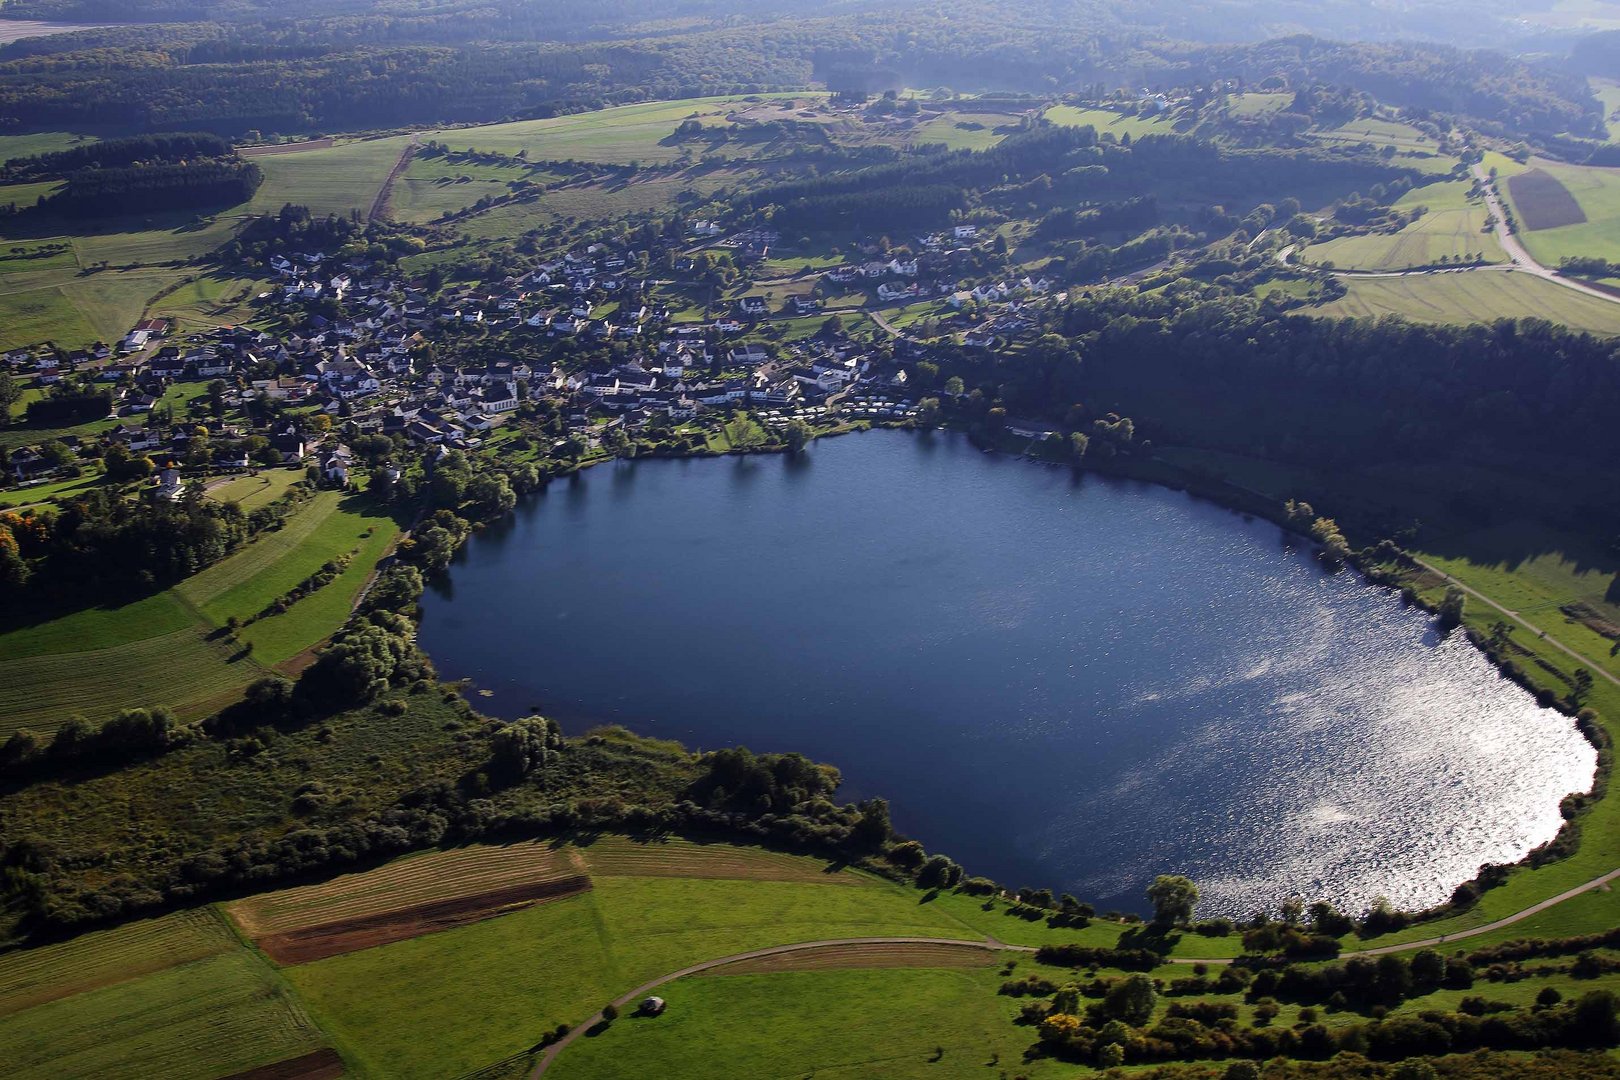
x=358, y=355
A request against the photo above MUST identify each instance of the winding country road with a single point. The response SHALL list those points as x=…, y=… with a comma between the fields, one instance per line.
x=551, y=1052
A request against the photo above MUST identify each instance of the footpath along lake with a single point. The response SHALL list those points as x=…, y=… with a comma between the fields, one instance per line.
x=1057, y=679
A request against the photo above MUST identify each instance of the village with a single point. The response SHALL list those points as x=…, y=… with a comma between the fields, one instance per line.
x=364, y=352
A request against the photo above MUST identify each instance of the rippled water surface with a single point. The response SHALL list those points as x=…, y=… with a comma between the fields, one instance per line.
x=1059, y=681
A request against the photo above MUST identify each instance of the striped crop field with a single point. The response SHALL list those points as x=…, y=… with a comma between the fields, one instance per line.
x=182, y=670
x=403, y=883
x=35, y=976
x=618, y=856
x=198, y=1021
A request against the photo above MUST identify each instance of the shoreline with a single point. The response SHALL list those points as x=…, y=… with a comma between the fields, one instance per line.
x=1249, y=503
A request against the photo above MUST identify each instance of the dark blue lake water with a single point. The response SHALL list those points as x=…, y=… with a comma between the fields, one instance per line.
x=1058, y=680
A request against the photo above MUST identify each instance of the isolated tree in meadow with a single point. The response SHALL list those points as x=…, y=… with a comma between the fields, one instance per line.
x=1132, y=999
x=1173, y=898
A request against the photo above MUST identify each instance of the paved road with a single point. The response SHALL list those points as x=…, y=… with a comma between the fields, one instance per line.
x=1532, y=627
x=627, y=1000
x=1522, y=259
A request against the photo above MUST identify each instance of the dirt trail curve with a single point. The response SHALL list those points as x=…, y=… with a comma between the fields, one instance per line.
x=379, y=205
x=551, y=1052
x=557, y=1047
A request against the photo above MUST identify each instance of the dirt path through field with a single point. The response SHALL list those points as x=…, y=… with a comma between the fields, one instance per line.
x=551, y=1052
x=379, y=205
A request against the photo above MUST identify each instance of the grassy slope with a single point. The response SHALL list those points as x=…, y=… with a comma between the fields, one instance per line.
x=1598, y=192
x=1452, y=227
x=1474, y=296
x=1108, y=121
x=894, y=1023
x=161, y=650
x=203, y=1019
x=403, y=1010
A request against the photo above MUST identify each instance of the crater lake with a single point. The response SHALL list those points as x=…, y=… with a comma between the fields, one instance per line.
x=1056, y=678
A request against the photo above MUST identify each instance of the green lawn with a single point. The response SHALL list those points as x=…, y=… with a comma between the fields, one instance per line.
x=25, y=195
x=166, y=649
x=201, y=1020
x=1474, y=296
x=1259, y=103
x=403, y=1010
x=44, y=142
x=895, y=1023
x=1452, y=227
x=21, y=256
x=1108, y=120
x=252, y=490
x=612, y=136
x=104, y=957
x=212, y=300
x=330, y=180
x=1598, y=192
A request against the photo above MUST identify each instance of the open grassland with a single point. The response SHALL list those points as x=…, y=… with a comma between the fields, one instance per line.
x=1452, y=227
x=22, y=196
x=256, y=489
x=166, y=649
x=594, y=201
x=1259, y=103
x=618, y=856
x=183, y=670
x=894, y=1023
x=1474, y=296
x=72, y=309
x=963, y=130
x=201, y=1020
x=416, y=879
x=106, y=957
x=1110, y=121
x=403, y=1009
x=1413, y=148
x=210, y=301
x=25, y=255
x=329, y=180
x=1607, y=92
x=44, y=142
x=42, y=314
x=615, y=136
x=844, y=957
x=1548, y=228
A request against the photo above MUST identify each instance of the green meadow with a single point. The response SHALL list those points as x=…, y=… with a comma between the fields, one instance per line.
x=1473, y=296
x=1452, y=227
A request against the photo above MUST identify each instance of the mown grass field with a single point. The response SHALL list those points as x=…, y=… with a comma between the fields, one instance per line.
x=403, y=1010
x=252, y=490
x=416, y=879
x=1453, y=228
x=71, y=309
x=204, y=1019
x=22, y=196
x=105, y=957
x=898, y=1023
x=1596, y=190
x=331, y=180
x=614, y=136
x=209, y=301
x=1109, y=121
x=44, y=142
x=167, y=649
x=1474, y=296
